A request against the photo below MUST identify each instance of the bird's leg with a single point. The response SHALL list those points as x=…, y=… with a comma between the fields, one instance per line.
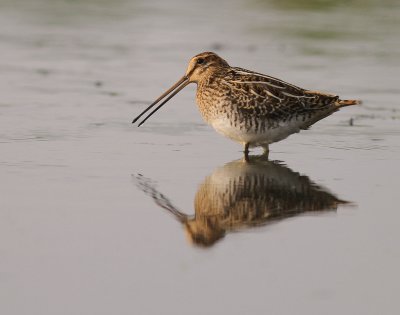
x=266, y=151
x=246, y=151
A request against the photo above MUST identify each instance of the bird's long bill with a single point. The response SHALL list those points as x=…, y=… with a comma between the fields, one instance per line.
x=172, y=91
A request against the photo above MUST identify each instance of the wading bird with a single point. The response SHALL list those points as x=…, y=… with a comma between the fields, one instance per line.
x=251, y=108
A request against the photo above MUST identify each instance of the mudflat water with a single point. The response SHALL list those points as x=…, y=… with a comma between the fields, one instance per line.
x=98, y=216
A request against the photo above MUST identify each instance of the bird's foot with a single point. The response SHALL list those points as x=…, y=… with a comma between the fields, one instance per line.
x=246, y=152
x=265, y=154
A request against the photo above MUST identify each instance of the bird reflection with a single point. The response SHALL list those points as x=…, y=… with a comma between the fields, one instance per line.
x=242, y=195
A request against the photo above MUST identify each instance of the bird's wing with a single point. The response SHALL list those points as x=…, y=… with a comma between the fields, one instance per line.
x=271, y=97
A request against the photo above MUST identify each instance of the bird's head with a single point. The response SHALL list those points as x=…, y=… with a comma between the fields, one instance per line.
x=203, y=64
x=200, y=66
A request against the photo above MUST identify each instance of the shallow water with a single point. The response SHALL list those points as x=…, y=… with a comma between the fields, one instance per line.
x=79, y=235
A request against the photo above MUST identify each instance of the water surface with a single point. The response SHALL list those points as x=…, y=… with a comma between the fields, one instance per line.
x=79, y=237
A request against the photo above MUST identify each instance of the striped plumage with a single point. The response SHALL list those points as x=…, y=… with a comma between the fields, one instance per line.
x=249, y=107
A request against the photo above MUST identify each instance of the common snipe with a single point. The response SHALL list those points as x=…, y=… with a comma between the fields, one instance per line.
x=249, y=107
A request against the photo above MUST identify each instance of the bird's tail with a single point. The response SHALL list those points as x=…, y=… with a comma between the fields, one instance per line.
x=343, y=103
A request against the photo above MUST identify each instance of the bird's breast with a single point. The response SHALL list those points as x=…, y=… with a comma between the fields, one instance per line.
x=212, y=103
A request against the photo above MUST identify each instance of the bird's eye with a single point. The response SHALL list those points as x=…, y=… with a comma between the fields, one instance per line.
x=200, y=61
